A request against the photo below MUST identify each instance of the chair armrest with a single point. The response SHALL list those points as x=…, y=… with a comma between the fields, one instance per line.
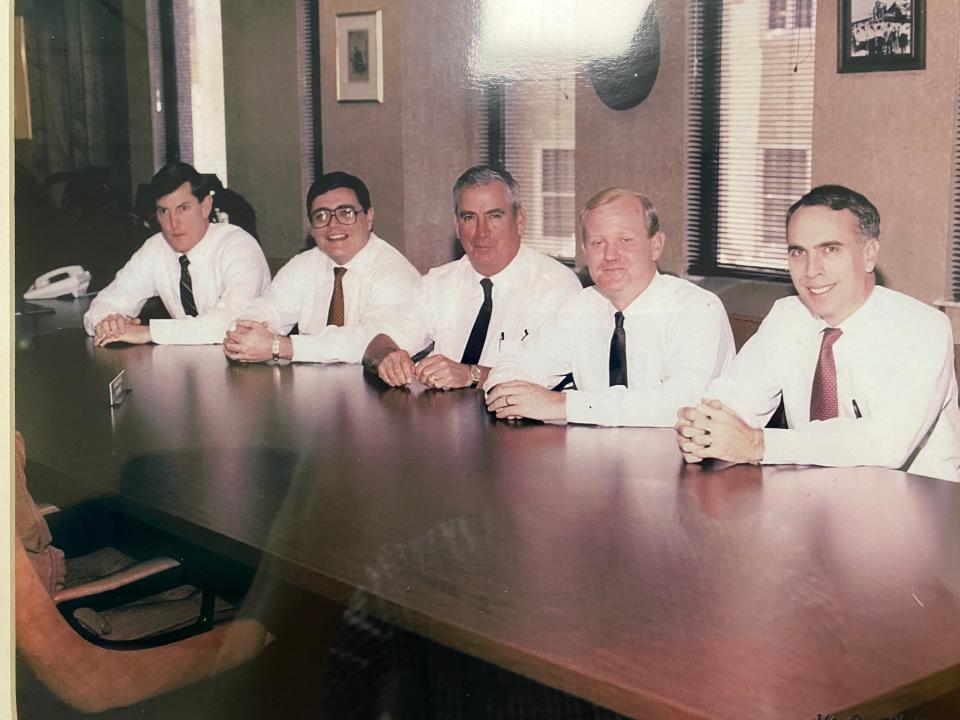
x=117, y=580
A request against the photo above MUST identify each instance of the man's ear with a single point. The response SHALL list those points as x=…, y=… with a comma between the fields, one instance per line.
x=871, y=250
x=521, y=221
x=656, y=244
x=369, y=214
x=206, y=206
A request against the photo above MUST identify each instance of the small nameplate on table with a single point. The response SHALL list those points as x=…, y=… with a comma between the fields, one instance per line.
x=118, y=393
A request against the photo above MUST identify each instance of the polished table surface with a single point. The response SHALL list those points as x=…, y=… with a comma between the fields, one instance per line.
x=588, y=559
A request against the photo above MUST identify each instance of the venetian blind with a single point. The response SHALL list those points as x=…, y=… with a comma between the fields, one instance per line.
x=750, y=132
x=955, y=258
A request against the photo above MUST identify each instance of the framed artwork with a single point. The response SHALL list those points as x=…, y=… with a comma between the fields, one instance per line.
x=880, y=35
x=360, y=57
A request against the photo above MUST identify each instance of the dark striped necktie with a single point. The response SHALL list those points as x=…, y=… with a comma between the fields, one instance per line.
x=186, y=288
x=335, y=315
x=478, y=335
x=618, y=352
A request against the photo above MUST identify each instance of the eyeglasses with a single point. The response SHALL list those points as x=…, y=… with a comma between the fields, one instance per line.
x=346, y=214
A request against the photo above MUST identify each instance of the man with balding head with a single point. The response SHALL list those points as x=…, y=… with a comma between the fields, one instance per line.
x=639, y=344
x=477, y=307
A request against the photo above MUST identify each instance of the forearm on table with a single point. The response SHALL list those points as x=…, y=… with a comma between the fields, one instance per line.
x=378, y=348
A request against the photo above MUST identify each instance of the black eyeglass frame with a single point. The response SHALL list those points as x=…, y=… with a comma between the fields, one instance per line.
x=345, y=214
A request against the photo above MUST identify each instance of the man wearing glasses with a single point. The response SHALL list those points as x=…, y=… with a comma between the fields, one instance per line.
x=340, y=294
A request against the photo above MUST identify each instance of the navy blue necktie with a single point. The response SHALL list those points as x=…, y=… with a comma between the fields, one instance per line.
x=618, y=352
x=186, y=288
x=478, y=335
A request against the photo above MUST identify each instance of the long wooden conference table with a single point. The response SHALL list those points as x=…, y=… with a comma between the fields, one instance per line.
x=588, y=559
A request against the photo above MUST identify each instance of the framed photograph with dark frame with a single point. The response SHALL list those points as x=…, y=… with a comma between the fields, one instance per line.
x=880, y=35
x=360, y=57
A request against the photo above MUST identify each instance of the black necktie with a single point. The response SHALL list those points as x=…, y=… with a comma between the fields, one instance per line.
x=186, y=288
x=618, y=352
x=478, y=336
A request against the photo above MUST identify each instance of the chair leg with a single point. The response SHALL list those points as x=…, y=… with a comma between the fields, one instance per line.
x=207, y=601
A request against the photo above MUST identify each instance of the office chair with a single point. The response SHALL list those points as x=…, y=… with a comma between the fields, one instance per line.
x=93, y=679
x=108, y=597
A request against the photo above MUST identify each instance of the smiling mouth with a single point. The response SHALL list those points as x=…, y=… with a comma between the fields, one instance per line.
x=818, y=291
x=338, y=236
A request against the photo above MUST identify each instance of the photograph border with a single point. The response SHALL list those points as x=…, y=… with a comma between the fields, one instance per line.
x=915, y=60
x=372, y=89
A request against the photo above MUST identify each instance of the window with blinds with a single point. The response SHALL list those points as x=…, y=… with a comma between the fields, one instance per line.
x=750, y=132
x=955, y=257
x=527, y=126
x=188, y=106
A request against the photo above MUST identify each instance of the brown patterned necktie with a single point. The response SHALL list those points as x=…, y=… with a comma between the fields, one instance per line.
x=823, y=397
x=336, y=312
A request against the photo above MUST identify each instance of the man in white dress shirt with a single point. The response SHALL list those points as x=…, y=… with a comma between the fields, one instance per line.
x=866, y=374
x=639, y=344
x=340, y=294
x=481, y=305
x=204, y=272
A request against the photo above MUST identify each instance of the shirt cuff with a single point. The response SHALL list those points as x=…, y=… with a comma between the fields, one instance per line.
x=325, y=348
x=187, y=331
x=781, y=447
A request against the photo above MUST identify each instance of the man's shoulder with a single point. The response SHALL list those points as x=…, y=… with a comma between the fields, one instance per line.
x=308, y=260
x=907, y=314
x=545, y=266
x=225, y=235
x=385, y=253
x=447, y=272
x=684, y=292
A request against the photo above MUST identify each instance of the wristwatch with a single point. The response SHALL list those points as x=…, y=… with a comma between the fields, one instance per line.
x=474, y=375
x=275, y=348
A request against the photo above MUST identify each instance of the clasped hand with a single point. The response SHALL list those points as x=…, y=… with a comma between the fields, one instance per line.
x=249, y=341
x=520, y=399
x=120, y=328
x=712, y=430
x=436, y=371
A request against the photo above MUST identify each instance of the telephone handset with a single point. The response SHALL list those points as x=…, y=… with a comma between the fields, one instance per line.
x=68, y=280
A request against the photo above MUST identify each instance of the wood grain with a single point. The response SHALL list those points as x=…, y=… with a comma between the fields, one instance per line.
x=589, y=559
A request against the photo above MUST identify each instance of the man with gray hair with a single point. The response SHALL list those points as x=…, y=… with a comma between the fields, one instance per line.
x=639, y=344
x=475, y=308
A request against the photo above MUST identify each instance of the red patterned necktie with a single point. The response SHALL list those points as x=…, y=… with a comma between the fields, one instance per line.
x=823, y=397
x=335, y=315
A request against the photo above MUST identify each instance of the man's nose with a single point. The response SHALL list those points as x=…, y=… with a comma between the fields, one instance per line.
x=814, y=264
x=611, y=250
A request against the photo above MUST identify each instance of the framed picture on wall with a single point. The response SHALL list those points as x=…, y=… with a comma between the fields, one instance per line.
x=359, y=57
x=880, y=35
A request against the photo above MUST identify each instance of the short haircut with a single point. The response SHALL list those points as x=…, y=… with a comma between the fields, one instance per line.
x=838, y=197
x=613, y=193
x=338, y=179
x=172, y=175
x=481, y=175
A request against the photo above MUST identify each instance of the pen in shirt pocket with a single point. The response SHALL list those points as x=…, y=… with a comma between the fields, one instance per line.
x=856, y=409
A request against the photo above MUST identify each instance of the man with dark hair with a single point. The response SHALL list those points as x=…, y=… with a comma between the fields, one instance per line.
x=340, y=294
x=639, y=344
x=481, y=305
x=204, y=272
x=865, y=373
